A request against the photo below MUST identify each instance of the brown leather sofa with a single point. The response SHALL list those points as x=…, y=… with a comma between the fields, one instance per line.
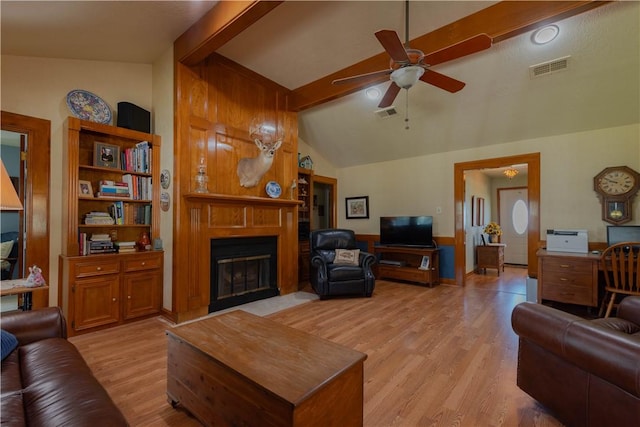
x=586, y=372
x=45, y=380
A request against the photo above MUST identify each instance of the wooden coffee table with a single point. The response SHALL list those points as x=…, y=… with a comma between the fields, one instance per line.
x=241, y=369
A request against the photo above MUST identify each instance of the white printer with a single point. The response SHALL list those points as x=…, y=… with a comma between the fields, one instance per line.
x=576, y=241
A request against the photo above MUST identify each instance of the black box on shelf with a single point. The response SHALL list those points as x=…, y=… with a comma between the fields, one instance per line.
x=131, y=116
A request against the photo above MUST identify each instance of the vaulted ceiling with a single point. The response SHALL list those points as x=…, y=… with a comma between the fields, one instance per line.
x=303, y=45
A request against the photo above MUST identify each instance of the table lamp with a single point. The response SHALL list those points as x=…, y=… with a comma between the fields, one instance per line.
x=9, y=199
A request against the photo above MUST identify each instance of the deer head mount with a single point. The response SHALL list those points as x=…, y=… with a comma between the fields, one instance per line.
x=252, y=169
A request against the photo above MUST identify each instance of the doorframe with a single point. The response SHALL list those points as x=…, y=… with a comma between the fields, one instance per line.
x=333, y=183
x=36, y=206
x=533, y=185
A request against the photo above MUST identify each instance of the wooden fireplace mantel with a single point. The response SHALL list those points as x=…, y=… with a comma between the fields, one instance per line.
x=231, y=198
x=213, y=216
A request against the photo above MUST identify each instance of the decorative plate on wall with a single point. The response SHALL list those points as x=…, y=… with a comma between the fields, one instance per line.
x=273, y=189
x=88, y=106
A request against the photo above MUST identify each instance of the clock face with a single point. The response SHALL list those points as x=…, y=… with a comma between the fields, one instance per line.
x=617, y=182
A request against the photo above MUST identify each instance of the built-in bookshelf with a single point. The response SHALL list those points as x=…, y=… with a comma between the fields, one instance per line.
x=109, y=271
x=112, y=184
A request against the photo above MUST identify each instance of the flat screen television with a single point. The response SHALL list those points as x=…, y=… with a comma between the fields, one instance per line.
x=622, y=233
x=406, y=231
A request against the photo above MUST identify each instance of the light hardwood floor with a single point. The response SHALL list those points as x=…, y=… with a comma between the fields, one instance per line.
x=443, y=356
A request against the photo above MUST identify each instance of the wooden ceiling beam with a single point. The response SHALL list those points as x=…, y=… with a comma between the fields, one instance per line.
x=500, y=21
x=223, y=22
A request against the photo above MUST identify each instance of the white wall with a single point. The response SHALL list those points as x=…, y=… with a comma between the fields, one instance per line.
x=418, y=186
x=38, y=87
x=321, y=166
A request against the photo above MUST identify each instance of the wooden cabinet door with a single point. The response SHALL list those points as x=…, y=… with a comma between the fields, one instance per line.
x=142, y=293
x=96, y=301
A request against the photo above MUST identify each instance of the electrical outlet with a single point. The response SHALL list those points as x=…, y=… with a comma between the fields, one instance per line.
x=439, y=210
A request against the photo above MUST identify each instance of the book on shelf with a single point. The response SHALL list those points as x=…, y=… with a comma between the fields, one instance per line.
x=140, y=187
x=100, y=237
x=98, y=218
x=102, y=251
x=137, y=159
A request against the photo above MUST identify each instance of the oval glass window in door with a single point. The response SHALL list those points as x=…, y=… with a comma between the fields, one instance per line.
x=520, y=216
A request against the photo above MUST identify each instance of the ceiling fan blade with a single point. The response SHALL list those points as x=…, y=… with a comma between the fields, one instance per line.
x=360, y=77
x=391, y=42
x=389, y=96
x=458, y=50
x=442, y=81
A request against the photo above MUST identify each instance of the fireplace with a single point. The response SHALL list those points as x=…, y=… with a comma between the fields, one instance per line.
x=243, y=269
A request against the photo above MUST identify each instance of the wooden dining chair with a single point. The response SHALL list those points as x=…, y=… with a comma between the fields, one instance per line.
x=620, y=264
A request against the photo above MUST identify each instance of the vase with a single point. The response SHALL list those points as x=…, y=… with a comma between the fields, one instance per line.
x=494, y=238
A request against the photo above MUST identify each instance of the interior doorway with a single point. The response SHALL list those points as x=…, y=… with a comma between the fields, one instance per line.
x=324, y=203
x=533, y=184
x=34, y=222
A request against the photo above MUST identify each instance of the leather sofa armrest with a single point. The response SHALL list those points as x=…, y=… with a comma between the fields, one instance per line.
x=606, y=353
x=629, y=309
x=367, y=259
x=35, y=325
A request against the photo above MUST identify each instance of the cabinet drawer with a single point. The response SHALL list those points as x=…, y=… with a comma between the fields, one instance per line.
x=146, y=263
x=570, y=294
x=566, y=266
x=95, y=268
x=561, y=278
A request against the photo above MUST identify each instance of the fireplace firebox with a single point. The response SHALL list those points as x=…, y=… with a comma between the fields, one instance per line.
x=243, y=269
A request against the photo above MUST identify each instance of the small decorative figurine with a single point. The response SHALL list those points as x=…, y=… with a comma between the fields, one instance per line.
x=35, y=278
x=144, y=243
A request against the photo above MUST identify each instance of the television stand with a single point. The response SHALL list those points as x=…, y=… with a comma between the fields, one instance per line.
x=404, y=262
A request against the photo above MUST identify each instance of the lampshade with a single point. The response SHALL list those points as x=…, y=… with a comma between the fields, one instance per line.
x=406, y=77
x=9, y=198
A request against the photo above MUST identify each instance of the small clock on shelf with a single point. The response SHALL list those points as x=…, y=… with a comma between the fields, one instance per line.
x=616, y=187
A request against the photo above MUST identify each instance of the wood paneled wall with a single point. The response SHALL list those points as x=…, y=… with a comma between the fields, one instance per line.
x=215, y=104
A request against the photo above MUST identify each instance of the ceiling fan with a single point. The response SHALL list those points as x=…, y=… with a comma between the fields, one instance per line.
x=407, y=65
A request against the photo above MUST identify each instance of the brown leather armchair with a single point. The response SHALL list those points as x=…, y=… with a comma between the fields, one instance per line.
x=328, y=276
x=586, y=372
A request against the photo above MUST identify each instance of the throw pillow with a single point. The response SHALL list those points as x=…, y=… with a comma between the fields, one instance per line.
x=347, y=257
x=5, y=250
x=9, y=343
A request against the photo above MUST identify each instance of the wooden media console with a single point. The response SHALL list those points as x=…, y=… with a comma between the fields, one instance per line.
x=408, y=264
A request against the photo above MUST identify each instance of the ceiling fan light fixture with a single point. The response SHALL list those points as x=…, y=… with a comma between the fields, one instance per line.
x=406, y=77
x=510, y=172
x=545, y=34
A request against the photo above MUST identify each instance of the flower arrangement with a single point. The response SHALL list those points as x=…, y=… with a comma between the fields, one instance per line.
x=493, y=229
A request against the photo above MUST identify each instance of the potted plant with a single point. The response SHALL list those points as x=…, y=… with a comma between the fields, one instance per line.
x=494, y=231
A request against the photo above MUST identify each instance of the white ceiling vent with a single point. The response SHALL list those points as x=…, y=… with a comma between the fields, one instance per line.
x=386, y=112
x=549, y=67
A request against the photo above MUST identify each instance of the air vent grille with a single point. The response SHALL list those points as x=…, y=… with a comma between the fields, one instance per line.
x=549, y=67
x=386, y=112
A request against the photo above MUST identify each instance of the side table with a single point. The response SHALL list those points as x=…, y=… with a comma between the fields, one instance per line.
x=17, y=287
x=490, y=256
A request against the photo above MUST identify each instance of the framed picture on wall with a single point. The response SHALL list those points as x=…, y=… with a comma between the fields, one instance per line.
x=474, y=209
x=480, y=212
x=357, y=207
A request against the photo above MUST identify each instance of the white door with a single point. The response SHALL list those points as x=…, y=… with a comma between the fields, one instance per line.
x=514, y=220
